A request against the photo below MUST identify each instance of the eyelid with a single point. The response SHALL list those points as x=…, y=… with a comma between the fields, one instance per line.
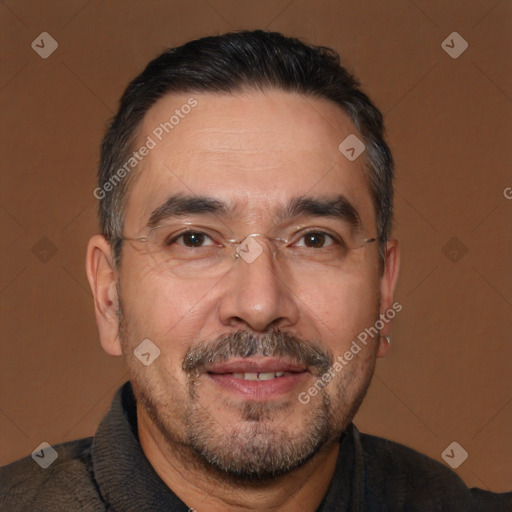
x=307, y=230
x=175, y=235
x=201, y=223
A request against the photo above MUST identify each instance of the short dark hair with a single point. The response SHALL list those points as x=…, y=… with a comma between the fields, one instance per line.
x=236, y=62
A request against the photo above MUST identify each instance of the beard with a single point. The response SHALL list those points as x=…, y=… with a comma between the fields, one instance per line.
x=260, y=446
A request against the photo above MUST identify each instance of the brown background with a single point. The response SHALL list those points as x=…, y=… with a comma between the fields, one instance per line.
x=448, y=377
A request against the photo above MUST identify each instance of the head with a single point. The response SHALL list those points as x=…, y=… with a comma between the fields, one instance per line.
x=240, y=135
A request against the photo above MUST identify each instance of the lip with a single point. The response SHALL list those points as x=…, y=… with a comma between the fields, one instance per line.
x=295, y=376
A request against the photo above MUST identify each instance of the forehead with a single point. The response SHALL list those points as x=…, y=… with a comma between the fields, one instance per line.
x=254, y=151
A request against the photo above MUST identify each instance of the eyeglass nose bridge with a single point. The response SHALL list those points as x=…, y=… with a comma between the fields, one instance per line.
x=249, y=249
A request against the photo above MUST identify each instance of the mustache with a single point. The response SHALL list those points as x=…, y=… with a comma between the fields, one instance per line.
x=244, y=344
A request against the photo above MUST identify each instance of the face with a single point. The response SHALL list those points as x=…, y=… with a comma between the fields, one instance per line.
x=245, y=330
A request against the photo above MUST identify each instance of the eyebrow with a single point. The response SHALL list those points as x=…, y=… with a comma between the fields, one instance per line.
x=180, y=205
x=338, y=208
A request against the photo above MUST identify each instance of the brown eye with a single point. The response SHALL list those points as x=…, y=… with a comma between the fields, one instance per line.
x=189, y=239
x=193, y=239
x=316, y=240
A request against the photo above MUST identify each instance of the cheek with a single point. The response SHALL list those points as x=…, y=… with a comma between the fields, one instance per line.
x=160, y=307
x=341, y=308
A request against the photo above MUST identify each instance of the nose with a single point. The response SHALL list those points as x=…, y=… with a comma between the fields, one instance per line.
x=258, y=294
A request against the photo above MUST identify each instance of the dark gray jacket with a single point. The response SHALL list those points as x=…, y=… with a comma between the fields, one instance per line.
x=109, y=472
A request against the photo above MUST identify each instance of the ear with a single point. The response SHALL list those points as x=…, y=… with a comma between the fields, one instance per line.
x=387, y=289
x=102, y=280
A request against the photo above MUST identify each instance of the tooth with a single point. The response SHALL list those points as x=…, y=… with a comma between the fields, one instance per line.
x=266, y=376
x=250, y=376
x=279, y=374
x=238, y=375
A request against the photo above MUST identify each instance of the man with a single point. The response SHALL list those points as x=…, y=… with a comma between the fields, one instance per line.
x=245, y=272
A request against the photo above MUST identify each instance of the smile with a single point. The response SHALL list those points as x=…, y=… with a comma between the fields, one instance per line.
x=258, y=376
x=258, y=379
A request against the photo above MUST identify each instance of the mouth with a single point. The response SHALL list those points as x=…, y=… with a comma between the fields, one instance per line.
x=259, y=379
x=258, y=376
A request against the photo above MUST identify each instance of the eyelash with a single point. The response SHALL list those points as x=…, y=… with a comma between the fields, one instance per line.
x=333, y=238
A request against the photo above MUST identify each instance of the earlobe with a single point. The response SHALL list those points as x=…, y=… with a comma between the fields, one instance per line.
x=384, y=346
x=102, y=278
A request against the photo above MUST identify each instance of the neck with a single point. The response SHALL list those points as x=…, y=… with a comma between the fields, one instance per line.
x=202, y=488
